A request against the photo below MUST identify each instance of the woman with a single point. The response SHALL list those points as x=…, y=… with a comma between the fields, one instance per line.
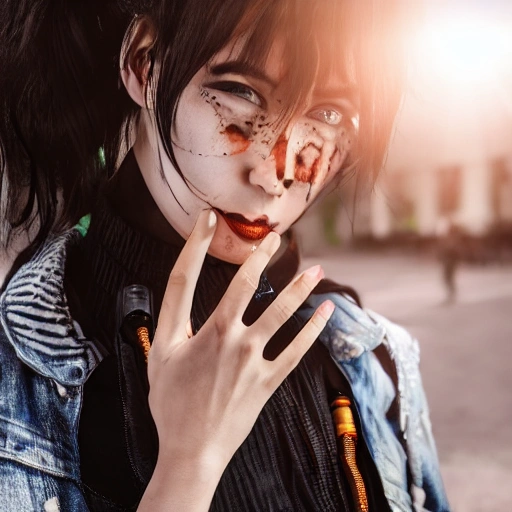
x=242, y=113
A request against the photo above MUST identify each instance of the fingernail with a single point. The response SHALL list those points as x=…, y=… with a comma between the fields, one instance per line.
x=326, y=309
x=315, y=272
x=212, y=219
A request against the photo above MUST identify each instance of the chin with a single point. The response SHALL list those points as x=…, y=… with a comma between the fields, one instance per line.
x=229, y=247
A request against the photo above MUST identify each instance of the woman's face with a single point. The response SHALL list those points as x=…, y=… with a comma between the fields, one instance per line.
x=237, y=155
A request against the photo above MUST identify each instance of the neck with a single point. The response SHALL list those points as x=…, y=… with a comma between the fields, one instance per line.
x=130, y=242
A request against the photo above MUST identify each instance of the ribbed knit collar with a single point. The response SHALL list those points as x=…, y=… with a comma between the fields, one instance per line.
x=114, y=254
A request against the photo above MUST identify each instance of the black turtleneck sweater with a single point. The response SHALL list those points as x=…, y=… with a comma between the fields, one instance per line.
x=289, y=462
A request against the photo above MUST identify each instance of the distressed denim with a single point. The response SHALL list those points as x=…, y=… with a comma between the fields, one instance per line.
x=45, y=361
x=351, y=335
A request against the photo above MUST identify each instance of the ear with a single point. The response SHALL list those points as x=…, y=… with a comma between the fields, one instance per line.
x=136, y=59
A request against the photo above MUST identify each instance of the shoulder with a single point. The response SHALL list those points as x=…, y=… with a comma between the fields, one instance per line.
x=353, y=330
x=36, y=320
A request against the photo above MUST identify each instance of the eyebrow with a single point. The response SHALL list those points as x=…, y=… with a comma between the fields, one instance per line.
x=242, y=68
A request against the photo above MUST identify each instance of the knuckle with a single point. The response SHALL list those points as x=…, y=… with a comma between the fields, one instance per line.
x=303, y=286
x=221, y=328
x=317, y=322
x=248, y=281
x=273, y=380
x=247, y=350
x=282, y=311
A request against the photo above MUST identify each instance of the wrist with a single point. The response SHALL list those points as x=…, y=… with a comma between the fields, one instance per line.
x=183, y=483
x=203, y=467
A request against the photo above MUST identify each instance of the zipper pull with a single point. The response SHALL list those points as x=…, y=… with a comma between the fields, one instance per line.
x=137, y=313
x=346, y=435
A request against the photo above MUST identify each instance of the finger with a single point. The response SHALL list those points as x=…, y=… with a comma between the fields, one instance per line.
x=293, y=353
x=177, y=301
x=288, y=301
x=246, y=281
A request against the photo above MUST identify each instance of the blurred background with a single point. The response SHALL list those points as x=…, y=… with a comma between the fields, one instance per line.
x=431, y=247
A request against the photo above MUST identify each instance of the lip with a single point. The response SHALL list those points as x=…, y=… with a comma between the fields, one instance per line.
x=245, y=228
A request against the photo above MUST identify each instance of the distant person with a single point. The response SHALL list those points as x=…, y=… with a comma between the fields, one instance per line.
x=451, y=247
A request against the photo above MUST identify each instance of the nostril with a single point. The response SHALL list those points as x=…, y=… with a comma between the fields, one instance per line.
x=287, y=183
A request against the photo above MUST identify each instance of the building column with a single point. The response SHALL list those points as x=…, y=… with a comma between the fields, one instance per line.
x=380, y=215
x=426, y=201
x=476, y=213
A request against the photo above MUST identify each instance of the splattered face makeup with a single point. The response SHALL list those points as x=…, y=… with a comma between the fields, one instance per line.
x=239, y=155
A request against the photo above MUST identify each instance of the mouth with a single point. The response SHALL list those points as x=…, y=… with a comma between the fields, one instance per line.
x=247, y=229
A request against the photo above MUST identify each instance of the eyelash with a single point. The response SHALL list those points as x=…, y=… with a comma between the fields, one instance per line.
x=240, y=90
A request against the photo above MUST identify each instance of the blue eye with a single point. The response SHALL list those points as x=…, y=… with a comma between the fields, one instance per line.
x=238, y=89
x=327, y=115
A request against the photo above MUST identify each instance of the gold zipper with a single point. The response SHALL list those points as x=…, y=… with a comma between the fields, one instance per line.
x=346, y=435
x=144, y=342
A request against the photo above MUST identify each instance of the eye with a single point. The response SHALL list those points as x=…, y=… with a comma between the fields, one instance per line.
x=327, y=115
x=238, y=89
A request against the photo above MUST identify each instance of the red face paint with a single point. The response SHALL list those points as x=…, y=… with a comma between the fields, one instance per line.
x=237, y=137
x=279, y=154
x=306, y=163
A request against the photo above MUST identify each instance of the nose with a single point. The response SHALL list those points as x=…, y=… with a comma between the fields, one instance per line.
x=274, y=173
x=264, y=175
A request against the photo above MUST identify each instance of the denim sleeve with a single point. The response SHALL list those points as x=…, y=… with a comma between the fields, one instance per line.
x=24, y=489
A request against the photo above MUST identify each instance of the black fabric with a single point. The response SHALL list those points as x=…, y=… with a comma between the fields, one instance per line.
x=289, y=462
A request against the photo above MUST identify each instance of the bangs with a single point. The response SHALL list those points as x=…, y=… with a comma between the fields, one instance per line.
x=317, y=38
x=359, y=45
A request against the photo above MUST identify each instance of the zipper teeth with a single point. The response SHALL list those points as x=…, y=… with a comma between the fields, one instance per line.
x=355, y=479
x=143, y=339
x=122, y=387
x=347, y=437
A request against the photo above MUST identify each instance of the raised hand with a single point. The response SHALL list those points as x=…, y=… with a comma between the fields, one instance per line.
x=207, y=390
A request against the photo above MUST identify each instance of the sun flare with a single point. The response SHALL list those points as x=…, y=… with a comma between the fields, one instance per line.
x=461, y=49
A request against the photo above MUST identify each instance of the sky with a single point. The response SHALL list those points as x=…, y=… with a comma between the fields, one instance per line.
x=458, y=106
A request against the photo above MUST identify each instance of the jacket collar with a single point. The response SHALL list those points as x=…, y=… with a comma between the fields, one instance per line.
x=35, y=316
x=350, y=331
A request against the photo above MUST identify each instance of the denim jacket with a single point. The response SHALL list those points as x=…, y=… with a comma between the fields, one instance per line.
x=45, y=360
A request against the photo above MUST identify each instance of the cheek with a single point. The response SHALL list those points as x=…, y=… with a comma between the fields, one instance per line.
x=195, y=130
x=321, y=154
x=236, y=127
x=205, y=128
x=237, y=139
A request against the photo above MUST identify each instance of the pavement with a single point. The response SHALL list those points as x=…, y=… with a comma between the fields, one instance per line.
x=466, y=354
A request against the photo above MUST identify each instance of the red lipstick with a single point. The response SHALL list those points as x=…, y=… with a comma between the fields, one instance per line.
x=247, y=229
